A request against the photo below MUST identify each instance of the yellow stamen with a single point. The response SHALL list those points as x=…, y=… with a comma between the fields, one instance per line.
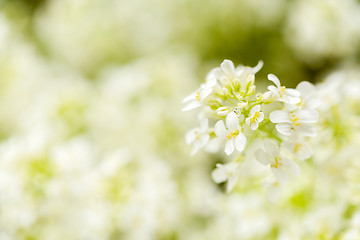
x=232, y=134
x=297, y=147
x=198, y=97
x=255, y=117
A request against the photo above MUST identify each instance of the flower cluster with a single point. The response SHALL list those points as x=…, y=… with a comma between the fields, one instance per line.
x=243, y=118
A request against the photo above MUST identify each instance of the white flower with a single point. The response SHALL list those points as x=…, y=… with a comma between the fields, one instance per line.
x=309, y=98
x=198, y=137
x=299, y=121
x=280, y=165
x=274, y=190
x=232, y=134
x=286, y=95
x=255, y=117
x=194, y=100
x=226, y=172
x=300, y=148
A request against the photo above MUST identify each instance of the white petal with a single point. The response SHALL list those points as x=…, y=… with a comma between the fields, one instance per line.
x=229, y=146
x=228, y=67
x=254, y=110
x=280, y=175
x=240, y=142
x=292, y=92
x=220, y=129
x=232, y=182
x=307, y=116
x=232, y=122
x=291, y=99
x=291, y=166
x=274, y=79
x=196, y=148
x=219, y=174
x=261, y=156
x=258, y=67
x=307, y=130
x=205, y=92
x=261, y=118
x=304, y=151
x=271, y=148
x=204, y=139
x=247, y=120
x=192, y=105
x=279, y=116
x=190, y=97
x=190, y=136
x=291, y=107
x=273, y=90
x=284, y=128
x=306, y=89
x=254, y=126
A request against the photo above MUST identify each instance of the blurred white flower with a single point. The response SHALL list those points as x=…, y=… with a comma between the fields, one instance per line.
x=281, y=166
x=226, y=172
x=198, y=137
x=300, y=148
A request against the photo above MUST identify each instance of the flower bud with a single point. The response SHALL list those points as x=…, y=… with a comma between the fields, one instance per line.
x=222, y=111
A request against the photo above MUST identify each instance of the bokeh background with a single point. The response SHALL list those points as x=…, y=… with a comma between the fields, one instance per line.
x=92, y=134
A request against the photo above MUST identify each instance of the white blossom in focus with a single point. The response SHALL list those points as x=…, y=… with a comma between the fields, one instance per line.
x=299, y=121
x=232, y=134
x=283, y=94
x=256, y=116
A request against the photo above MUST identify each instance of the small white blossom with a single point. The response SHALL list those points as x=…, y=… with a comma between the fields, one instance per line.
x=283, y=94
x=274, y=190
x=299, y=121
x=232, y=134
x=280, y=166
x=226, y=172
x=309, y=98
x=198, y=137
x=256, y=116
x=195, y=99
x=300, y=148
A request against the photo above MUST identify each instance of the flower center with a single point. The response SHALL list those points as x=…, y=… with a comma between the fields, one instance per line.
x=282, y=91
x=232, y=134
x=198, y=97
x=277, y=162
x=295, y=119
x=297, y=147
x=255, y=117
x=197, y=135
